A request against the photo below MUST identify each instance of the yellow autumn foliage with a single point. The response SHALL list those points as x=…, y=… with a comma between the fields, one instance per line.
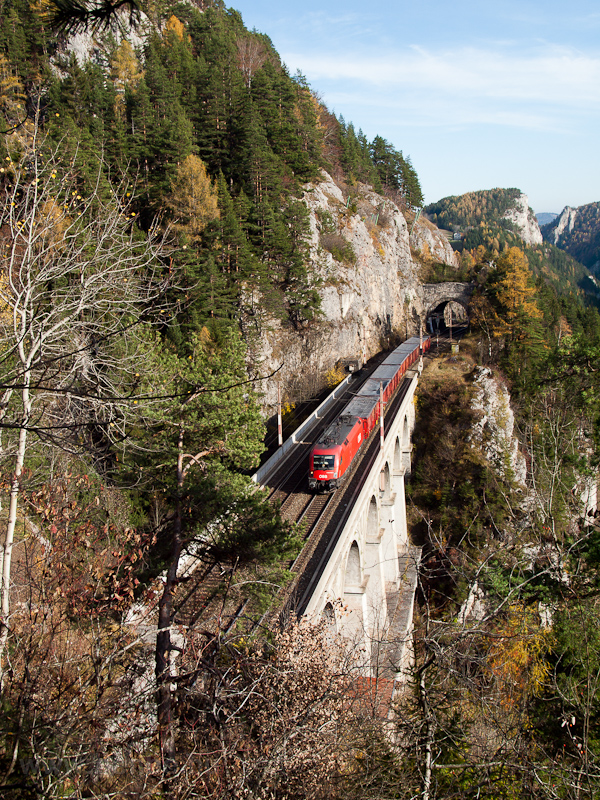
x=516, y=292
x=125, y=70
x=12, y=96
x=5, y=308
x=334, y=376
x=193, y=199
x=174, y=25
x=518, y=656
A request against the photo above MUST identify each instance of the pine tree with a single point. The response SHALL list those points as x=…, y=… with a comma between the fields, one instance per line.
x=233, y=250
x=162, y=132
x=411, y=188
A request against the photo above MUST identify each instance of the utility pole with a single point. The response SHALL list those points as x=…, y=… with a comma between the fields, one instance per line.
x=381, y=430
x=279, y=422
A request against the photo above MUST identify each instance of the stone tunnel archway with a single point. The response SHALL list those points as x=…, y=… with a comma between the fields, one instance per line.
x=446, y=315
x=446, y=303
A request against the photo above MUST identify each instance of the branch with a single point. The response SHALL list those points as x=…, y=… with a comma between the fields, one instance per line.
x=76, y=16
x=196, y=459
x=79, y=393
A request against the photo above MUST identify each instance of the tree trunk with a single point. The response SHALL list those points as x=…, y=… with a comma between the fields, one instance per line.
x=429, y=732
x=10, y=528
x=164, y=697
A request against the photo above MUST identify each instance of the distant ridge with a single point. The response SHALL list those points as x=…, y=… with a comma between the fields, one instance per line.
x=487, y=222
x=507, y=210
x=577, y=231
x=545, y=217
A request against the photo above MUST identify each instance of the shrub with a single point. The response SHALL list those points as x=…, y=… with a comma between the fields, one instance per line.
x=340, y=248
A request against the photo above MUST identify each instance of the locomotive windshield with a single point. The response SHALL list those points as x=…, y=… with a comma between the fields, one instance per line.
x=323, y=461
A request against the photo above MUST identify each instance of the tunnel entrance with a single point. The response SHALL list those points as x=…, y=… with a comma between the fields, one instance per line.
x=445, y=317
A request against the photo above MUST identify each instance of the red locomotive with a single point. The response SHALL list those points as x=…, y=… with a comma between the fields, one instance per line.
x=332, y=455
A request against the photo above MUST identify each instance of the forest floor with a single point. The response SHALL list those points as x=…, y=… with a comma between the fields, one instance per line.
x=447, y=367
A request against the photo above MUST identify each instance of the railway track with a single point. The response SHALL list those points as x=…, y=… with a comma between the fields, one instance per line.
x=327, y=527
x=320, y=516
x=313, y=511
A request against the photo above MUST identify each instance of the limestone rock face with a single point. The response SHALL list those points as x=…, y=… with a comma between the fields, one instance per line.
x=524, y=219
x=432, y=243
x=565, y=222
x=494, y=432
x=87, y=46
x=369, y=299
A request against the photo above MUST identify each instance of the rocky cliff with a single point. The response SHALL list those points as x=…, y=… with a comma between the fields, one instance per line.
x=431, y=243
x=494, y=432
x=577, y=230
x=524, y=220
x=369, y=285
x=564, y=222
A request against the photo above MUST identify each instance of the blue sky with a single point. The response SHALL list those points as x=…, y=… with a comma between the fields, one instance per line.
x=479, y=95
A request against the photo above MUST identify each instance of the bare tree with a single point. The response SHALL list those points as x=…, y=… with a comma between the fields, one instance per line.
x=252, y=54
x=79, y=284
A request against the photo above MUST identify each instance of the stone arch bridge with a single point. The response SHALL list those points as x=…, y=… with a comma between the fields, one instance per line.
x=437, y=295
x=362, y=582
x=366, y=589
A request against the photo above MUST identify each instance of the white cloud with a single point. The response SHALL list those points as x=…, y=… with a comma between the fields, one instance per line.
x=550, y=75
x=425, y=112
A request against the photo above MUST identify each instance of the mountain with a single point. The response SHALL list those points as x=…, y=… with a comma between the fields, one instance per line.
x=545, y=217
x=577, y=231
x=506, y=210
x=190, y=237
x=494, y=220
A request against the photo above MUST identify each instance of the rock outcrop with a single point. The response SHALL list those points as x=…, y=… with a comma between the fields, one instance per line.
x=577, y=231
x=564, y=222
x=88, y=46
x=525, y=221
x=370, y=297
x=430, y=242
x=494, y=432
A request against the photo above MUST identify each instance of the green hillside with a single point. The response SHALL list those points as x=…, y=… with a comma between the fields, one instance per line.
x=200, y=87
x=466, y=211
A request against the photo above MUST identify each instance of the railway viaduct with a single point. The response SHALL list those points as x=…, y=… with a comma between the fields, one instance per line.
x=366, y=587
x=360, y=575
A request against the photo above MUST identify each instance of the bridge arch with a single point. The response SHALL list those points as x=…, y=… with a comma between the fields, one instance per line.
x=386, y=483
x=353, y=576
x=373, y=517
x=329, y=618
x=397, y=462
x=405, y=434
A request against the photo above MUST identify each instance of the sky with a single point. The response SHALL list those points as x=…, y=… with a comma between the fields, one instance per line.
x=480, y=95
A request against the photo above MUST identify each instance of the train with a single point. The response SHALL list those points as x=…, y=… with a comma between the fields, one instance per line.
x=331, y=457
